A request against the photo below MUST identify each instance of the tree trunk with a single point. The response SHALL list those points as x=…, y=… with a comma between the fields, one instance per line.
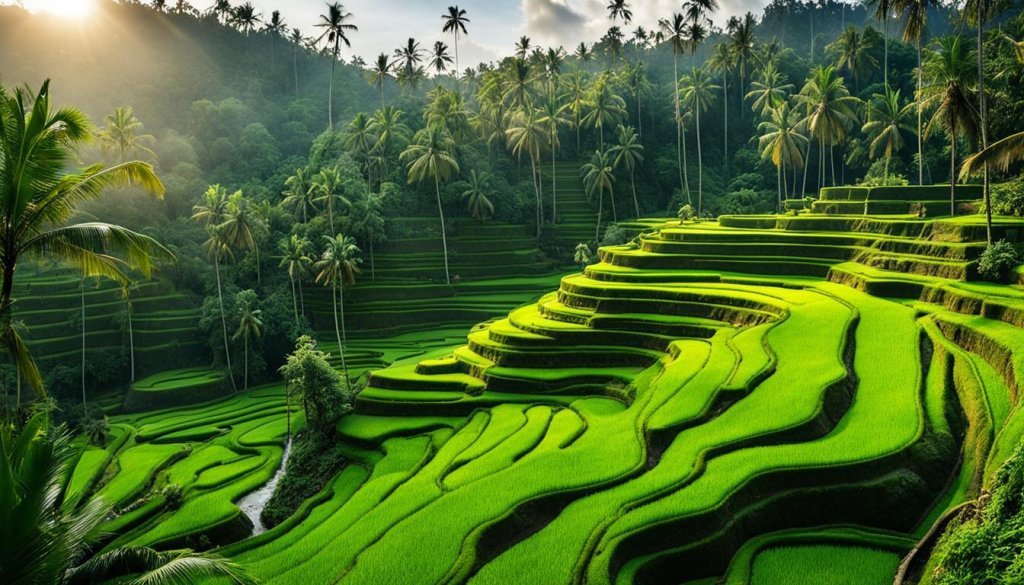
x=302, y=298
x=554, y=192
x=952, y=168
x=337, y=334
x=245, y=363
x=131, y=341
x=632, y=183
x=600, y=212
x=700, y=166
x=920, y=138
x=341, y=308
x=295, y=302
x=679, y=124
x=373, y=266
x=778, y=186
x=686, y=175
x=83, y=343
x=983, y=115
x=444, y=237
x=224, y=323
x=330, y=93
x=725, y=124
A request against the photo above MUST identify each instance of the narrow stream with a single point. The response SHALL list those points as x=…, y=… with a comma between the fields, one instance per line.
x=252, y=504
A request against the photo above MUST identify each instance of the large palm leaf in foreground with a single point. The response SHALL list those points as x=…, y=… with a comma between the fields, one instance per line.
x=46, y=535
x=38, y=195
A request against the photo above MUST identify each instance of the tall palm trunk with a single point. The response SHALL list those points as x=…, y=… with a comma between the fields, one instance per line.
x=952, y=166
x=725, y=124
x=684, y=185
x=330, y=92
x=920, y=109
x=224, y=322
x=600, y=213
x=700, y=167
x=83, y=343
x=444, y=237
x=295, y=67
x=302, y=298
x=131, y=341
x=983, y=115
x=554, y=193
x=295, y=301
x=686, y=172
x=373, y=265
x=778, y=186
x=245, y=362
x=536, y=193
x=632, y=184
x=337, y=334
x=885, y=38
x=341, y=309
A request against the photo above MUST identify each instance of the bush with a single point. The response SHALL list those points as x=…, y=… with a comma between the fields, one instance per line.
x=614, y=236
x=876, y=176
x=173, y=496
x=685, y=213
x=1008, y=198
x=314, y=460
x=998, y=260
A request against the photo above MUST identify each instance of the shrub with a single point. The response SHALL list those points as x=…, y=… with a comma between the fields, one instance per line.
x=876, y=177
x=314, y=460
x=685, y=213
x=998, y=260
x=173, y=496
x=1008, y=197
x=614, y=236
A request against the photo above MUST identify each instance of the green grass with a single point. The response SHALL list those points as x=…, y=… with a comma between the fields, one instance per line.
x=824, y=565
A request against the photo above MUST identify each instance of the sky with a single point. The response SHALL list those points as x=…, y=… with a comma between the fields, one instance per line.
x=495, y=25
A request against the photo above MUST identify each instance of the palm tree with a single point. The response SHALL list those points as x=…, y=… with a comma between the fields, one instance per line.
x=300, y=197
x=336, y=30
x=126, y=294
x=409, y=56
x=947, y=90
x=275, y=27
x=379, y=74
x=552, y=115
x=440, y=60
x=241, y=225
x=583, y=53
x=978, y=12
x=576, y=101
x=392, y=134
x=914, y=30
x=479, y=206
x=831, y=111
x=628, y=154
x=999, y=156
x=619, y=9
x=886, y=120
x=636, y=78
x=527, y=134
x=522, y=47
x=50, y=536
x=455, y=22
x=250, y=324
x=336, y=268
x=699, y=94
x=39, y=195
x=123, y=133
x=295, y=259
x=674, y=31
x=431, y=156
x=223, y=9
x=598, y=175
x=297, y=39
x=721, y=62
x=606, y=108
x=212, y=212
x=327, y=185
x=783, y=143
x=359, y=140
x=852, y=52
x=743, y=42
x=768, y=90
x=245, y=18
x=883, y=12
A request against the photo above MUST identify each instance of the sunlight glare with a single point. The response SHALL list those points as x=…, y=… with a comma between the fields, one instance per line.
x=63, y=8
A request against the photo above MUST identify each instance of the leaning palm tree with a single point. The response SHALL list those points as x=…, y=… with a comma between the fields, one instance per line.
x=299, y=198
x=886, y=121
x=250, y=325
x=123, y=135
x=698, y=94
x=455, y=23
x=477, y=203
x=328, y=188
x=379, y=74
x=38, y=195
x=947, y=91
x=628, y=154
x=599, y=176
x=50, y=535
x=337, y=267
x=336, y=30
x=431, y=156
x=783, y=143
x=295, y=260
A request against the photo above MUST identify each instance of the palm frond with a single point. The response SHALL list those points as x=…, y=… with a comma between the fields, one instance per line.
x=999, y=156
x=90, y=248
x=73, y=189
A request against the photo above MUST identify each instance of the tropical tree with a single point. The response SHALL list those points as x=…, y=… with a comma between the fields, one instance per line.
x=674, y=32
x=295, y=260
x=359, y=139
x=440, y=60
x=50, y=535
x=245, y=18
x=297, y=39
x=743, y=45
x=604, y=107
x=222, y=9
x=599, y=176
x=212, y=212
x=886, y=121
x=522, y=47
x=336, y=30
x=241, y=226
x=126, y=294
x=783, y=143
x=947, y=92
x=852, y=53
x=915, y=25
x=552, y=115
x=722, y=63
x=337, y=267
x=38, y=194
x=379, y=74
x=392, y=134
x=431, y=156
x=123, y=134
x=368, y=225
x=327, y=185
x=582, y=255
x=275, y=27
x=698, y=94
x=527, y=135
x=477, y=203
x=250, y=325
x=628, y=153
x=769, y=90
x=831, y=111
x=575, y=99
x=619, y=9
x=455, y=22
x=299, y=197
x=883, y=12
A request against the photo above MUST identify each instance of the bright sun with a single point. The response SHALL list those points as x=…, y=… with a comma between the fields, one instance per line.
x=65, y=8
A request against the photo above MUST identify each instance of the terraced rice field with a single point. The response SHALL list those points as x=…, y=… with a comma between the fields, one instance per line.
x=759, y=400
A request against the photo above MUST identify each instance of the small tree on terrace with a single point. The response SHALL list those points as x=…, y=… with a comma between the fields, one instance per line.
x=310, y=378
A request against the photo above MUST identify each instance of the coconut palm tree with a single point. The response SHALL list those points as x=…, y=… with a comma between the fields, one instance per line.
x=250, y=325
x=379, y=74
x=241, y=226
x=783, y=143
x=392, y=134
x=768, y=90
x=831, y=111
x=576, y=101
x=295, y=259
x=431, y=156
x=947, y=92
x=852, y=53
x=440, y=60
x=883, y=12
x=743, y=45
x=916, y=23
x=409, y=56
x=222, y=9
x=51, y=536
x=674, y=31
x=211, y=213
x=276, y=28
x=628, y=154
x=582, y=255
x=123, y=134
x=636, y=79
x=698, y=94
x=999, y=156
x=38, y=196
x=455, y=22
x=297, y=39
x=583, y=53
x=328, y=188
x=721, y=63
x=886, y=121
x=552, y=115
x=359, y=140
x=368, y=224
x=337, y=267
x=126, y=294
x=336, y=30
x=477, y=203
x=599, y=176
x=619, y=9
x=605, y=107
x=522, y=47
x=299, y=197
x=245, y=18
x=527, y=135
